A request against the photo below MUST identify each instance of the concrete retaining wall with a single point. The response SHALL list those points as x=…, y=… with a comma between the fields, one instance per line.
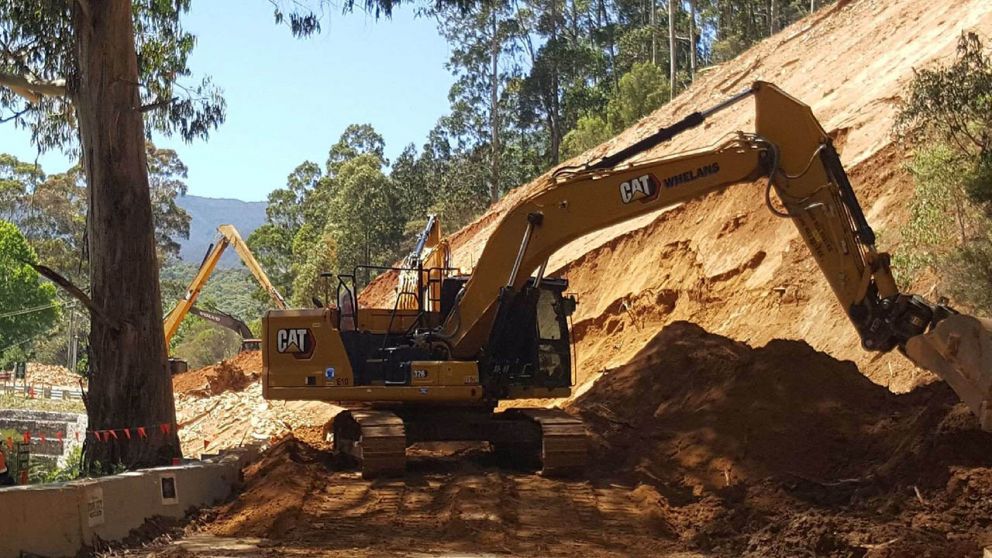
x=60, y=519
x=71, y=427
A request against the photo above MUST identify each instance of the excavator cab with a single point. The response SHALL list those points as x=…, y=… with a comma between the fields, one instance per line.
x=530, y=341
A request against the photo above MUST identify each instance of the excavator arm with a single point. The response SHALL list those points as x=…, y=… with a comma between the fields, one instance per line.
x=228, y=237
x=223, y=319
x=795, y=156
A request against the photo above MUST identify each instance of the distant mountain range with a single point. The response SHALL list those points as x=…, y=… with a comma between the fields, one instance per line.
x=207, y=214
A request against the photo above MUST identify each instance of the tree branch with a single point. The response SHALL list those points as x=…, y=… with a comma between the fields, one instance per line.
x=33, y=90
x=157, y=104
x=75, y=291
x=16, y=115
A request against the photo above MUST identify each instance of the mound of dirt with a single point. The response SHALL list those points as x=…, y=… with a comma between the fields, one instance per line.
x=233, y=374
x=275, y=488
x=773, y=449
x=54, y=375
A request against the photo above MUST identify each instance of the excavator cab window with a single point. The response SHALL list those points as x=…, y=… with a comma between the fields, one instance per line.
x=530, y=341
x=553, y=355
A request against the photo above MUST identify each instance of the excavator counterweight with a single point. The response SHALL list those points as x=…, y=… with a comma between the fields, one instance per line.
x=502, y=332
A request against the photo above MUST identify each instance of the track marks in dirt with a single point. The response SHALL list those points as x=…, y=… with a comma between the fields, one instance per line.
x=298, y=498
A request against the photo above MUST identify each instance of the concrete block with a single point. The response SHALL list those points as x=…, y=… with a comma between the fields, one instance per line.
x=59, y=519
x=42, y=520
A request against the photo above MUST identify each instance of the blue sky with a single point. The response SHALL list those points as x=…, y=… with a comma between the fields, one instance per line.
x=289, y=99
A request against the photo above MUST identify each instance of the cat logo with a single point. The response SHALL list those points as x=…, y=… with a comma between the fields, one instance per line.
x=297, y=342
x=644, y=188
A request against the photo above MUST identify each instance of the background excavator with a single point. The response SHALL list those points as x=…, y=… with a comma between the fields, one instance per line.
x=222, y=319
x=436, y=372
x=228, y=236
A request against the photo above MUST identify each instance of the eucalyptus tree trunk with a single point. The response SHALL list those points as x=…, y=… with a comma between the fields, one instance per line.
x=652, y=22
x=692, y=39
x=494, y=116
x=129, y=385
x=671, y=48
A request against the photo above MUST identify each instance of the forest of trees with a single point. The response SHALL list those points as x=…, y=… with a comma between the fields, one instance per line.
x=536, y=82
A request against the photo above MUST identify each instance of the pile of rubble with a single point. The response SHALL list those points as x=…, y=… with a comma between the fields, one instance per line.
x=54, y=375
x=221, y=406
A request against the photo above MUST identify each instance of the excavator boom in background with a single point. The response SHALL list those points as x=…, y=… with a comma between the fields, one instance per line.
x=502, y=333
x=228, y=236
x=222, y=319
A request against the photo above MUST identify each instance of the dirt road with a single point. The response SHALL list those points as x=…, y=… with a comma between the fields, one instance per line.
x=299, y=502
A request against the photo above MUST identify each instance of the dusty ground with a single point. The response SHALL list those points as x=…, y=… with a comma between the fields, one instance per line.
x=702, y=446
x=221, y=406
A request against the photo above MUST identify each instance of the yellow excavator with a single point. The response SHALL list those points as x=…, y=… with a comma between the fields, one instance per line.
x=501, y=333
x=227, y=236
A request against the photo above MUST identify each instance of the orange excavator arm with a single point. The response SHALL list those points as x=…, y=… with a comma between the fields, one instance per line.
x=788, y=147
x=229, y=236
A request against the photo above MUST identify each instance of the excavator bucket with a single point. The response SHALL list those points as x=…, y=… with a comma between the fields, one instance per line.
x=959, y=350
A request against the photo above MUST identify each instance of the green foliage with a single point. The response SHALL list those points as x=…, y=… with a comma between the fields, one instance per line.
x=640, y=91
x=167, y=180
x=28, y=307
x=229, y=290
x=946, y=119
x=954, y=105
x=72, y=470
x=204, y=343
x=37, y=39
x=50, y=211
x=365, y=213
x=590, y=131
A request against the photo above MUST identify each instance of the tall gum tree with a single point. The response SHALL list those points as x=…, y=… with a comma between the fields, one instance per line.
x=87, y=77
x=78, y=66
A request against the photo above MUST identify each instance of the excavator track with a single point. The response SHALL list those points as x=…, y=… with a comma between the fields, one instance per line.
x=374, y=438
x=563, y=450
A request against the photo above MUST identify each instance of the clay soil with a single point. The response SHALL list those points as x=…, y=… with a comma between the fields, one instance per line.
x=234, y=374
x=701, y=446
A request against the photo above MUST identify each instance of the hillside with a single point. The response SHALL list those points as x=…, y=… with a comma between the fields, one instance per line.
x=207, y=214
x=724, y=262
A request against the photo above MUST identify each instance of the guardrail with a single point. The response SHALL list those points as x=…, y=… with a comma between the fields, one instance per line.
x=42, y=391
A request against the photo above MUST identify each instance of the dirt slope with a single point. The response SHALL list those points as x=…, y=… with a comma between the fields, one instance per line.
x=724, y=262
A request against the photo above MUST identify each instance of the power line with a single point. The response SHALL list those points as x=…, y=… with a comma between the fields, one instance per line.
x=28, y=310
x=23, y=341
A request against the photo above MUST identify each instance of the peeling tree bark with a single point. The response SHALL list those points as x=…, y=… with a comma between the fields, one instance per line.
x=129, y=385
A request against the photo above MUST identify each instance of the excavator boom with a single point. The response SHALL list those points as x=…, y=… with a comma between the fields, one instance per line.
x=803, y=169
x=229, y=236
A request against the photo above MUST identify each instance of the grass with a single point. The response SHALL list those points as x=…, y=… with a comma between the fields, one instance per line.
x=19, y=402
